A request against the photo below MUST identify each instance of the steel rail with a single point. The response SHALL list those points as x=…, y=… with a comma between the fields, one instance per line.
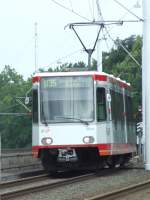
x=39, y=187
x=21, y=166
x=117, y=194
x=28, y=185
x=17, y=150
x=14, y=183
x=15, y=155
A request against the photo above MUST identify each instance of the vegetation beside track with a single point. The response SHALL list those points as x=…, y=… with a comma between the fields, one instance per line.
x=16, y=129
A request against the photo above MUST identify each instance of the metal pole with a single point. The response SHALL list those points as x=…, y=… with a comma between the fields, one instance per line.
x=89, y=60
x=146, y=81
x=99, y=57
x=35, y=46
x=0, y=161
x=89, y=51
x=99, y=51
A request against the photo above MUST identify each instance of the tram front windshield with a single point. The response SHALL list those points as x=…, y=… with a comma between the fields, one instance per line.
x=67, y=99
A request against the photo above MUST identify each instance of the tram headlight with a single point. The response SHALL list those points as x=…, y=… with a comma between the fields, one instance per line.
x=88, y=139
x=47, y=141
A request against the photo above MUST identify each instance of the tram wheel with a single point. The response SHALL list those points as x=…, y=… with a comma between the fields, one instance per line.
x=111, y=162
x=125, y=161
x=49, y=165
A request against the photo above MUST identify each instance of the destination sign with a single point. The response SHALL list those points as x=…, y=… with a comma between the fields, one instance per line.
x=66, y=82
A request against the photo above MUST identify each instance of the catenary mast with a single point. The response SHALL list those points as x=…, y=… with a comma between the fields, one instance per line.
x=35, y=46
x=99, y=52
x=146, y=81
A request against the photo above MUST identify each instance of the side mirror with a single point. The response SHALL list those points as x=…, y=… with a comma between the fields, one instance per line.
x=108, y=97
x=28, y=100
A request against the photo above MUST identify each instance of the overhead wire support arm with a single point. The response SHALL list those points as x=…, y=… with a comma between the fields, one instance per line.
x=78, y=37
x=89, y=51
x=101, y=27
x=102, y=24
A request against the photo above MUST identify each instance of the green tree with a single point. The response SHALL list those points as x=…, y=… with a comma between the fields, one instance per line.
x=120, y=64
x=15, y=130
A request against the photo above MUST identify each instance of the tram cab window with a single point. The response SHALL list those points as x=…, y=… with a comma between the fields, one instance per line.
x=35, y=106
x=101, y=104
x=128, y=101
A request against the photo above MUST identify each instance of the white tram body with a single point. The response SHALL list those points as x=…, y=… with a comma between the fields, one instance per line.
x=81, y=119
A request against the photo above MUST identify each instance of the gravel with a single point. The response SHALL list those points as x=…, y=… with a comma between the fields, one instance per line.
x=144, y=195
x=98, y=185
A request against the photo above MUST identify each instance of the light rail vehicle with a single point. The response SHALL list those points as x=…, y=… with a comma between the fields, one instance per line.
x=82, y=120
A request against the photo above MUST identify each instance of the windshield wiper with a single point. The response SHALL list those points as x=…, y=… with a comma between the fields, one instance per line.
x=44, y=118
x=74, y=118
x=43, y=113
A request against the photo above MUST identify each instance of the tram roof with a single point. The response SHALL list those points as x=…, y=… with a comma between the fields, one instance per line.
x=81, y=73
x=78, y=73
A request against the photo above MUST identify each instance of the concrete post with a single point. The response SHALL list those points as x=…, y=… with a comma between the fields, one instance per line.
x=146, y=81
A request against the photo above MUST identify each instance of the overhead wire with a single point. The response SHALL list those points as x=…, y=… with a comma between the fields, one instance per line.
x=6, y=113
x=15, y=114
x=90, y=8
x=68, y=9
x=116, y=42
x=128, y=10
x=102, y=19
x=126, y=13
x=125, y=49
x=9, y=107
x=64, y=57
x=106, y=29
x=71, y=4
x=93, y=9
x=105, y=39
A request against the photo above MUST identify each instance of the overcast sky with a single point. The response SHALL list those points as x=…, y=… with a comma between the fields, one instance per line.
x=54, y=43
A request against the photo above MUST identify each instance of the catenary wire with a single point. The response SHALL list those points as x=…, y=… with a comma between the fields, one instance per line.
x=105, y=39
x=93, y=9
x=125, y=49
x=90, y=9
x=116, y=42
x=59, y=4
x=106, y=29
x=63, y=57
x=10, y=107
x=71, y=4
x=128, y=10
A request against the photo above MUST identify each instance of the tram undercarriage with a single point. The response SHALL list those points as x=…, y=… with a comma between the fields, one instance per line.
x=55, y=160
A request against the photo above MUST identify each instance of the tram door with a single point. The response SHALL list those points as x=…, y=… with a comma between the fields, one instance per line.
x=101, y=115
x=118, y=117
x=101, y=104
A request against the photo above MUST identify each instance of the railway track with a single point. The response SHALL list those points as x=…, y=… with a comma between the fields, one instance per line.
x=12, y=189
x=23, y=186
x=12, y=160
x=123, y=192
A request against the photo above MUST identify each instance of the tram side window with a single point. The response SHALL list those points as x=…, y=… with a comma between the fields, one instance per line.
x=113, y=105
x=117, y=106
x=35, y=106
x=101, y=104
x=129, y=109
